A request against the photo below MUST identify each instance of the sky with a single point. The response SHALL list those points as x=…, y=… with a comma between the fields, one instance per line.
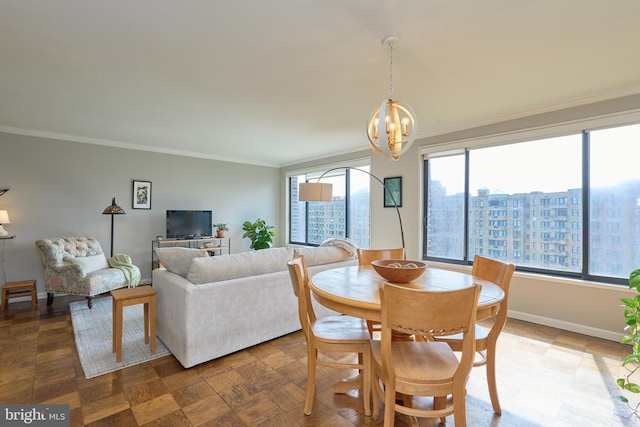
x=547, y=165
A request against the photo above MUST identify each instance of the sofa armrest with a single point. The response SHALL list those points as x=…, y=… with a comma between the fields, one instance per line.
x=69, y=269
x=171, y=310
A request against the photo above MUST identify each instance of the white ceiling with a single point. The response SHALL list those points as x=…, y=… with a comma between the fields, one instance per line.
x=274, y=82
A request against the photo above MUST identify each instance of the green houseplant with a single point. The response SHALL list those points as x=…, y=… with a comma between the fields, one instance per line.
x=260, y=233
x=632, y=325
x=221, y=228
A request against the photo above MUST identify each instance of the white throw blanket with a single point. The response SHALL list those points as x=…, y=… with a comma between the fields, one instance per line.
x=130, y=271
x=344, y=243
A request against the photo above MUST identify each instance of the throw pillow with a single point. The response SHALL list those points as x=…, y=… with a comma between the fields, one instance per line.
x=178, y=260
x=90, y=263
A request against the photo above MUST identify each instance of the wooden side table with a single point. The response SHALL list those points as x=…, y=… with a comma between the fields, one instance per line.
x=19, y=289
x=131, y=296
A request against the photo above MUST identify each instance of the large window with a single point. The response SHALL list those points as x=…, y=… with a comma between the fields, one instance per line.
x=568, y=205
x=347, y=215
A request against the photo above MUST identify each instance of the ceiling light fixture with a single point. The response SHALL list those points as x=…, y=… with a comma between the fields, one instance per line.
x=393, y=135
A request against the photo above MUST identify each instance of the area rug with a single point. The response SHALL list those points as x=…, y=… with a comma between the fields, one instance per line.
x=93, y=332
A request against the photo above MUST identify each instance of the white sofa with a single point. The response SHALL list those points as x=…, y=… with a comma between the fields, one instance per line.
x=208, y=307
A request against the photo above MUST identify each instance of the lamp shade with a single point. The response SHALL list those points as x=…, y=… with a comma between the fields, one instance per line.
x=113, y=209
x=4, y=217
x=315, y=192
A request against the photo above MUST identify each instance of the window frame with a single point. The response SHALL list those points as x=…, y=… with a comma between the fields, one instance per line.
x=584, y=126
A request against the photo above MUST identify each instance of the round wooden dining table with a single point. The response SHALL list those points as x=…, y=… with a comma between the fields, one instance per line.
x=356, y=290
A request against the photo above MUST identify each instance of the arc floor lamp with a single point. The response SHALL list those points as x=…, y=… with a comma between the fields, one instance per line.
x=323, y=192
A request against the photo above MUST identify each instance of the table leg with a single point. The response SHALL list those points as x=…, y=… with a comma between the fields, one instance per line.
x=146, y=322
x=348, y=384
x=113, y=325
x=152, y=314
x=118, y=326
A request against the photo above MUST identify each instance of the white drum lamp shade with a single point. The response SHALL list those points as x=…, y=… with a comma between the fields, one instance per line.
x=315, y=192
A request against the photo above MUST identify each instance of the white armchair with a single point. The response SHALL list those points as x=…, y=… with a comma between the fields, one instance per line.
x=78, y=266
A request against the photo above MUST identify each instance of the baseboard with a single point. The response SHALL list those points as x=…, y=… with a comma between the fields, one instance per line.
x=527, y=317
x=39, y=296
x=43, y=295
x=567, y=326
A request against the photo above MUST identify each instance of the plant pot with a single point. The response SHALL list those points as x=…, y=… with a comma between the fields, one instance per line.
x=220, y=233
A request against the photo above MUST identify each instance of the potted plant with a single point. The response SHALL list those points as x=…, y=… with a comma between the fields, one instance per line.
x=221, y=228
x=632, y=360
x=260, y=233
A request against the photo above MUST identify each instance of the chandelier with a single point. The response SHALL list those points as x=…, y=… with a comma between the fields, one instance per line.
x=394, y=133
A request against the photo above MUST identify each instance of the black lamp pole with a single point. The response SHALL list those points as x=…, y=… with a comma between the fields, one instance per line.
x=111, y=235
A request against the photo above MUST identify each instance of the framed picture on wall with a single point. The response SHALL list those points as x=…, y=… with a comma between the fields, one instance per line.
x=394, y=185
x=141, y=195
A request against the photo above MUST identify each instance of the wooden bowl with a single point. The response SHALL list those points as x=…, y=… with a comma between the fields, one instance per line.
x=402, y=271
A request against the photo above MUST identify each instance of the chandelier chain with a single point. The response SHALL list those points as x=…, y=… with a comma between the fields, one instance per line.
x=390, y=70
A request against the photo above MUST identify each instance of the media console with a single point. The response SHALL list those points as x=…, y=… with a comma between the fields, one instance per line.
x=213, y=245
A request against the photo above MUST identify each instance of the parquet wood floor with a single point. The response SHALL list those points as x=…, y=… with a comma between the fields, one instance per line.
x=546, y=377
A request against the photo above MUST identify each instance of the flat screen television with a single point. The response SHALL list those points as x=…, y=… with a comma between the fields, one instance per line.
x=182, y=224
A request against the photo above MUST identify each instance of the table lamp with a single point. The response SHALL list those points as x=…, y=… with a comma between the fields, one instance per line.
x=4, y=219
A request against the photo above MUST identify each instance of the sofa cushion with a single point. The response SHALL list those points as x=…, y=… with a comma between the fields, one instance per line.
x=322, y=255
x=90, y=263
x=243, y=264
x=178, y=260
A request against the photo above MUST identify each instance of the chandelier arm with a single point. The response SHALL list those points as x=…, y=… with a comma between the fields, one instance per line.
x=393, y=199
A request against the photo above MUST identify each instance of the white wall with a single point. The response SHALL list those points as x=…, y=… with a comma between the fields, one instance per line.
x=60, y=188
x=585, y=307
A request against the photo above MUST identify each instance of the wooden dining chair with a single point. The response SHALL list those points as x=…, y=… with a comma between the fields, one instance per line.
x=365, y=256
x=338, y=334
x=423, y=368
x=499, y=273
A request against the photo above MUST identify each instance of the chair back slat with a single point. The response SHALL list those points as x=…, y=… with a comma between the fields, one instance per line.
x=435, y=312
x=365, y=256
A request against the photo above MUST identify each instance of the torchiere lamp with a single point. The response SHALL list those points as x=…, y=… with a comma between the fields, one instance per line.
x=112, y=210
x=322, y=192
